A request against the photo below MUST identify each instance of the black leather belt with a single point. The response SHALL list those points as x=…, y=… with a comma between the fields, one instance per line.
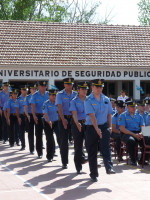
x=82, y=121
x=39, y=114
x=68, y=116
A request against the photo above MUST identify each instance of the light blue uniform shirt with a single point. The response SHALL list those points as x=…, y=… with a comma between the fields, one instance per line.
x=147, y=120
x=38, y=99
x=21, y=102
x=131, y=123
x=101, y=109
x=144, y=115
x=3, y=98
x=5, y=106
x=64, y=99
x=76, y=104
x=51, y=110
x=28, y=103
x=115, y=120
x=12, y=105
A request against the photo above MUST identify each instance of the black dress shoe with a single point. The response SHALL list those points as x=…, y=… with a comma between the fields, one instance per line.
x=84, y=161
x=79, y=172
x=64, y=167
x=32, y=152
x=94, y=179
x=55, y=155
x=43, y=147
x=133, y=163
x=4, y=142
x=110, y=171
x=39, y=157
x=18, y=144
x=49, y=160
x=12, y=145
x=22, y=149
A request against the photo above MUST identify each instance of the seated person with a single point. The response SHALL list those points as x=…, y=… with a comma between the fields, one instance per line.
x=120, y=106
x=130, y=124
x=147, y=121
x=141, y=109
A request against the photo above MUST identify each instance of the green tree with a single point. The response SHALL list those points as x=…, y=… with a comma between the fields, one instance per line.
x=35, y=10
x=72, y=11
x=144, y=12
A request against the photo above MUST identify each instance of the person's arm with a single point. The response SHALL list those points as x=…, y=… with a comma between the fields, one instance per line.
x=8, y=116
x=47, y=119
x=33, y=112
x=60, y=112
x=26, y=112
x=109, y=120
x=126, y=131
x=94, y=122
x=18, y=117
x=114, y=129
x=75, y=118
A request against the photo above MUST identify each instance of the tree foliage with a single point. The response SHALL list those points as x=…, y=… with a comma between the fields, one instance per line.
x=72, y=11
x=144, y=12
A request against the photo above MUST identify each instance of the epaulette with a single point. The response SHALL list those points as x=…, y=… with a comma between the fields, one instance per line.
x=46, y=101
x=61, y=92
x=35, y=93
x=28, y=95
x=18, y=97
x=116, y=114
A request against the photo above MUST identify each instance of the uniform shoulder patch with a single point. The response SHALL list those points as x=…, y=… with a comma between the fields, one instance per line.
x=119, y=119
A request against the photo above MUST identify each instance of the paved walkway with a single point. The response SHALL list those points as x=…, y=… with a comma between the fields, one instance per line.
x=24, y=177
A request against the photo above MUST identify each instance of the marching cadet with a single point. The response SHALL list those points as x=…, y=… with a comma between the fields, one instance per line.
x=123, y=96
x=141, y=109
x=130, y=124
x=78, y=125
x=120, y=106
x=11, y=117
x=30, y=120
x=63, y=99
x=50, y=111
x=37, y=100
x=21, y=116
x=147, y=121
x=98, y=111
x=4, y=97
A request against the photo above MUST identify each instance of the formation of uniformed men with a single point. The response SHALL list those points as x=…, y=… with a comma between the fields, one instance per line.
x=89, y=120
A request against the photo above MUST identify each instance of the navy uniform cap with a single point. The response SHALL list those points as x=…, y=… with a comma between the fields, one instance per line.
x=6, y=83
x=112, y=99
x=120, y=103
x=141, y=103
x=147, y=101
x=23, y=87
x=33, y=85
x=52, y=92
x=82, y=84
x=131, y=103
x=68, y=80
x=14, y=91
x=42, y=83
x=98, y=82
x=128, y=99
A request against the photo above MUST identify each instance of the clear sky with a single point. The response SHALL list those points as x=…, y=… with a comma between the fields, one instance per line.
x=123, y=12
